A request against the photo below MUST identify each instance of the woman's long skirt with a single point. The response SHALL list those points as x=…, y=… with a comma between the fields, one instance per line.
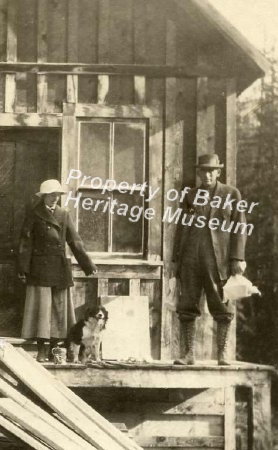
x=49, y=313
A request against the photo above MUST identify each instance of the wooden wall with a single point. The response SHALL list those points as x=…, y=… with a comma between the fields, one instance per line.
x=50, y=52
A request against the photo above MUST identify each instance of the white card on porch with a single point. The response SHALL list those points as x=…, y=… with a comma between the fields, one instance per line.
x=127, y=333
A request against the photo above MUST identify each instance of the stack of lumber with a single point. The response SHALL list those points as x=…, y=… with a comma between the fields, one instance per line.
x=63, y=422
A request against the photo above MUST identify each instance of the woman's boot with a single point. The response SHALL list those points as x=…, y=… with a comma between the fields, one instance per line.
x=41, y=356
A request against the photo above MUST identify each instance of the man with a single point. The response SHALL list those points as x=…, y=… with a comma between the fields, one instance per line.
x=208, y=256
x=44, y=267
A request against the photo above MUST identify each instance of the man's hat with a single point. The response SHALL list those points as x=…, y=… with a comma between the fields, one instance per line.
x=50, y=186
x=209, y=162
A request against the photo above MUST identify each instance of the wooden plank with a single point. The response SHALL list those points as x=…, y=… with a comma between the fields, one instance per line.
x=152, y=289
x=134, y=286
x=3, y=30
x=82, y=406
x=87, y=89
x=42, y=89
x=30, y=120
x=140, y=90
x=160, y=375
x=102, y=286
x=8, y=391
x=140, y=35
x=148, y=70
x=27, y=30
x=2, y=92
x=72, y=31
x=87, y=36
x=11, y=31
x=126, y=111
x=72, y=88
x=17, y=431
x=261, y=408
x=42, y=31
x=187, y=408
x=69, y=146
x=137, y=272
x=37, y=426
x=102, y=88
x=172, y=442
x=103, y=32
x=231, y=144
x=57, y=31
x=21, y=92
x=120, y=32
x=31, y=373
x=230, y=419
x=10, y=93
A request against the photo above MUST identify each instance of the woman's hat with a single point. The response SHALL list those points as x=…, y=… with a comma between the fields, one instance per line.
x=50, y=186
x=209, y=162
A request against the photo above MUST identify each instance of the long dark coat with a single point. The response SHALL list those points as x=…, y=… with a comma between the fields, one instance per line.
x=41, y=254
x=226, y=245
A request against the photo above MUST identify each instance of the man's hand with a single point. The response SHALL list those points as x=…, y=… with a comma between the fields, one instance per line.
x=22, y=277
x=237, y=267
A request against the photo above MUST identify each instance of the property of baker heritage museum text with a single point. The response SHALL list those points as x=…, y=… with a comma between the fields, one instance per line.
x=135, y=212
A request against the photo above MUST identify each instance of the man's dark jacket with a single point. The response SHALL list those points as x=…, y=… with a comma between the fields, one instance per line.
x=226, y=245
x=42, y=255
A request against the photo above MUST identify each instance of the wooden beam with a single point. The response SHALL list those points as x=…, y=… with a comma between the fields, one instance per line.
x=231, y=141
x=140, y=90
x=15, y=430
x=102, y=88
x=10, y=92
x=36, y=426
x=41, y=93
x=181, y=442
x=11, y=31
x=127, y=111
x=30, y=120
x=150, y=70
x=72, y=88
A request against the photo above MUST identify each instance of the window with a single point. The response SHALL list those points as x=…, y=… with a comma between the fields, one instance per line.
x=113, y=149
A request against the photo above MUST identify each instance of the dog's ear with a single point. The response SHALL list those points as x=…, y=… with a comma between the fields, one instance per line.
x=90, y=312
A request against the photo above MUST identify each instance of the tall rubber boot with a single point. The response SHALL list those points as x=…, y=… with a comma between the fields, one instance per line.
x=223, y=329
x=41, y=356
x=190, y=331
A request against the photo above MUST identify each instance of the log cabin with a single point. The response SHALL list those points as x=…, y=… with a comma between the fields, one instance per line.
x=131, y=91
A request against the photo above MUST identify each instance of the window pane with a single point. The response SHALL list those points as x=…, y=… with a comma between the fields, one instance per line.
x=94, y=149
x=129, y=144
x=127, y=235
x=93, y=225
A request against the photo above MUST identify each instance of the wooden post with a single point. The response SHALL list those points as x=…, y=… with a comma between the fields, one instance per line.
x=261, y=412
x=140, y=90
x=102, y=288
x=229, y=419
x=42, y=55
x=10, y=86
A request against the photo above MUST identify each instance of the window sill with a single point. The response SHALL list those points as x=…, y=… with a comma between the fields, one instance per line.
x=121, y=261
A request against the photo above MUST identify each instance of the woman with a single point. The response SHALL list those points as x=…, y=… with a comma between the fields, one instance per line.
x=44, y=267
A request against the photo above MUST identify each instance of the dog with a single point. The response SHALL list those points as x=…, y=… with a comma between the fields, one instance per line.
x=85, y=337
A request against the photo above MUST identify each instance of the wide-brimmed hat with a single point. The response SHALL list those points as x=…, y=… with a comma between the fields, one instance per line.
x=50, y=186
x=208, y=161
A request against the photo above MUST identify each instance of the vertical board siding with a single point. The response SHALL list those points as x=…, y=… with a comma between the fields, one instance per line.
x=12, y=30
x=3, y=30
x=87, y=89
x=27, y=30
x=120, y=32
x=42, y=30
x=152, y=289
x=26, y=94
x=56, y=92
x=87, y=37
x=2, y=91
x=56, y=30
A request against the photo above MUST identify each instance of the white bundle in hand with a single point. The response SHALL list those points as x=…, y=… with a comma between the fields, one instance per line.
x=238, y=287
